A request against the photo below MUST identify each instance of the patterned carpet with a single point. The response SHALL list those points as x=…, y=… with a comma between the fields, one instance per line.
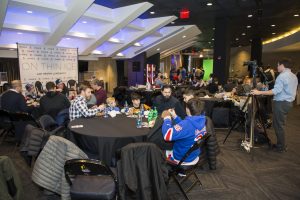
x=260, y=174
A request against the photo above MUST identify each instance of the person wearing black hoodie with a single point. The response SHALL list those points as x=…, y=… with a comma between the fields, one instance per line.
x=53, y=102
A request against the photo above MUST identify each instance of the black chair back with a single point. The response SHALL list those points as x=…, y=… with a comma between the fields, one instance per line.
x=22, y=116
x=86, y=167
x=5, y=123
x=47, y=123
x=90, y=179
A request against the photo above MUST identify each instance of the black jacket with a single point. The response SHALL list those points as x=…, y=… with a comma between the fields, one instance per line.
x=162, y=105
x=142, y=172
x=14, y=102
x=52, y=103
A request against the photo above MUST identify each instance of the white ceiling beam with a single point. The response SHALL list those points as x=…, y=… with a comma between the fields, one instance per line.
x=157, y=34
x=179, y=44
x=178, y=49
x=151, y=25
x=3, y=8
x=26, y=28
x=64, y=22
x=185, y=34
x=122, y=17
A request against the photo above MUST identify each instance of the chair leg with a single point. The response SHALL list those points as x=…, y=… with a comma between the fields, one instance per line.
x=180, y=187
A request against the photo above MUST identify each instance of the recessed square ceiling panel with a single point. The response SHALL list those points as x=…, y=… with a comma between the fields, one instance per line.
x=13, y=37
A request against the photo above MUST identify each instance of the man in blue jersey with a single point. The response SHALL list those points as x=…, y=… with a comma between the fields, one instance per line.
x=284, y=92
x=185, y=132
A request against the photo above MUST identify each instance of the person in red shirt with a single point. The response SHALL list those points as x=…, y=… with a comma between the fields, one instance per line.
x=100, y=93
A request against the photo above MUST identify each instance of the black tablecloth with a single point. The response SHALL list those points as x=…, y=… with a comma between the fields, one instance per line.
x=101, y=137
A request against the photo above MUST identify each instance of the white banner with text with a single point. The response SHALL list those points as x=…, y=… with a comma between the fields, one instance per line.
x=47, y=63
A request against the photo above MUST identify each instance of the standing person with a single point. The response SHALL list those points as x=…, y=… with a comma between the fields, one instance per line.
x=183, y=74
x=298, y=91
x=284, y=92
x=100, y=93
x=79, y=107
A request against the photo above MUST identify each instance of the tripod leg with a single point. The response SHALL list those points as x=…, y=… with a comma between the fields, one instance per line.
x=234, y=124
x=262, y=123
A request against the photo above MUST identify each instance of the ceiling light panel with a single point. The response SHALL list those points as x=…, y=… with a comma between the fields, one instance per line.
x=130, y=36
x=12, y=37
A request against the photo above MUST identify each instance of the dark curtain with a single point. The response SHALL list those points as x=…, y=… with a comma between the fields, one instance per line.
x=11, y=66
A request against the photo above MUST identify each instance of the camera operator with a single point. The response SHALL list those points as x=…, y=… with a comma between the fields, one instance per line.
x=284, y=92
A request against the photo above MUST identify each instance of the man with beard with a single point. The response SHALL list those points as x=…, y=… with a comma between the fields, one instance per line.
x=79, y=107
x=166, y=101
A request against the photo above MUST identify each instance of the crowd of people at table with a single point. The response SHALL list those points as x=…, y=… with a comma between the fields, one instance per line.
x=90, y=99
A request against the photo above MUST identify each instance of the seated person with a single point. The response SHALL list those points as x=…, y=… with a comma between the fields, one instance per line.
x=166, y=101
x=213, y=86
x=53, y=102
x=111, y=104
x=92, y=101
x=79, y=107
x=30, y=92
x=61, y=87
x=159, y=81
x=185, y=132
x=136, y=104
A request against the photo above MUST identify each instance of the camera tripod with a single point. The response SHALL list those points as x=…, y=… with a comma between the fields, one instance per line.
x=248, y=143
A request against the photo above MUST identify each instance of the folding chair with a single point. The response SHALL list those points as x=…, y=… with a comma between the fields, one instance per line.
x=188, y=170
x=90, y=179
x=6, y=124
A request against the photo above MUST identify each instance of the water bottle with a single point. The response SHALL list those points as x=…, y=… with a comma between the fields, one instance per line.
x=155, y=113
x=142, y=110
x=126, y=107
x=139, y=121
x=105, y=112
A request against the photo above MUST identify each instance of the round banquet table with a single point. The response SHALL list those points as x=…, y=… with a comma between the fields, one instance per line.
x=101, y=137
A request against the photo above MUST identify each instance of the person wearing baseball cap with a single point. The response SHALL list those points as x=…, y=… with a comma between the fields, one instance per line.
x=61, y=87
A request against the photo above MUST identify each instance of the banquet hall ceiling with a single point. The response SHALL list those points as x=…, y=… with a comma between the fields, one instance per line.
x=126, y=28
x=264, y=14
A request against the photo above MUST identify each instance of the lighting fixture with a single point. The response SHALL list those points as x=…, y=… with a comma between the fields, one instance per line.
x=243, y=33
x=282, y=36
x=296, y=15
x=201, y=55
x=11, y=49
x=273, y=33
x=214, y=28
x=120, y=54
x=213, y=39
x=209, y=4
x=137, y=44
x=273, y=25
x=114, y=40
x=250, y=15
x=29, y=11
x=158, y=49
x=152, y=12
x=68, y=38
x=97, y=52
x=184, y=13
x=19, y=33
x=184, y=36
x=236, y=39
x=84, y=22
x=172, y=22
x=248, y=26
